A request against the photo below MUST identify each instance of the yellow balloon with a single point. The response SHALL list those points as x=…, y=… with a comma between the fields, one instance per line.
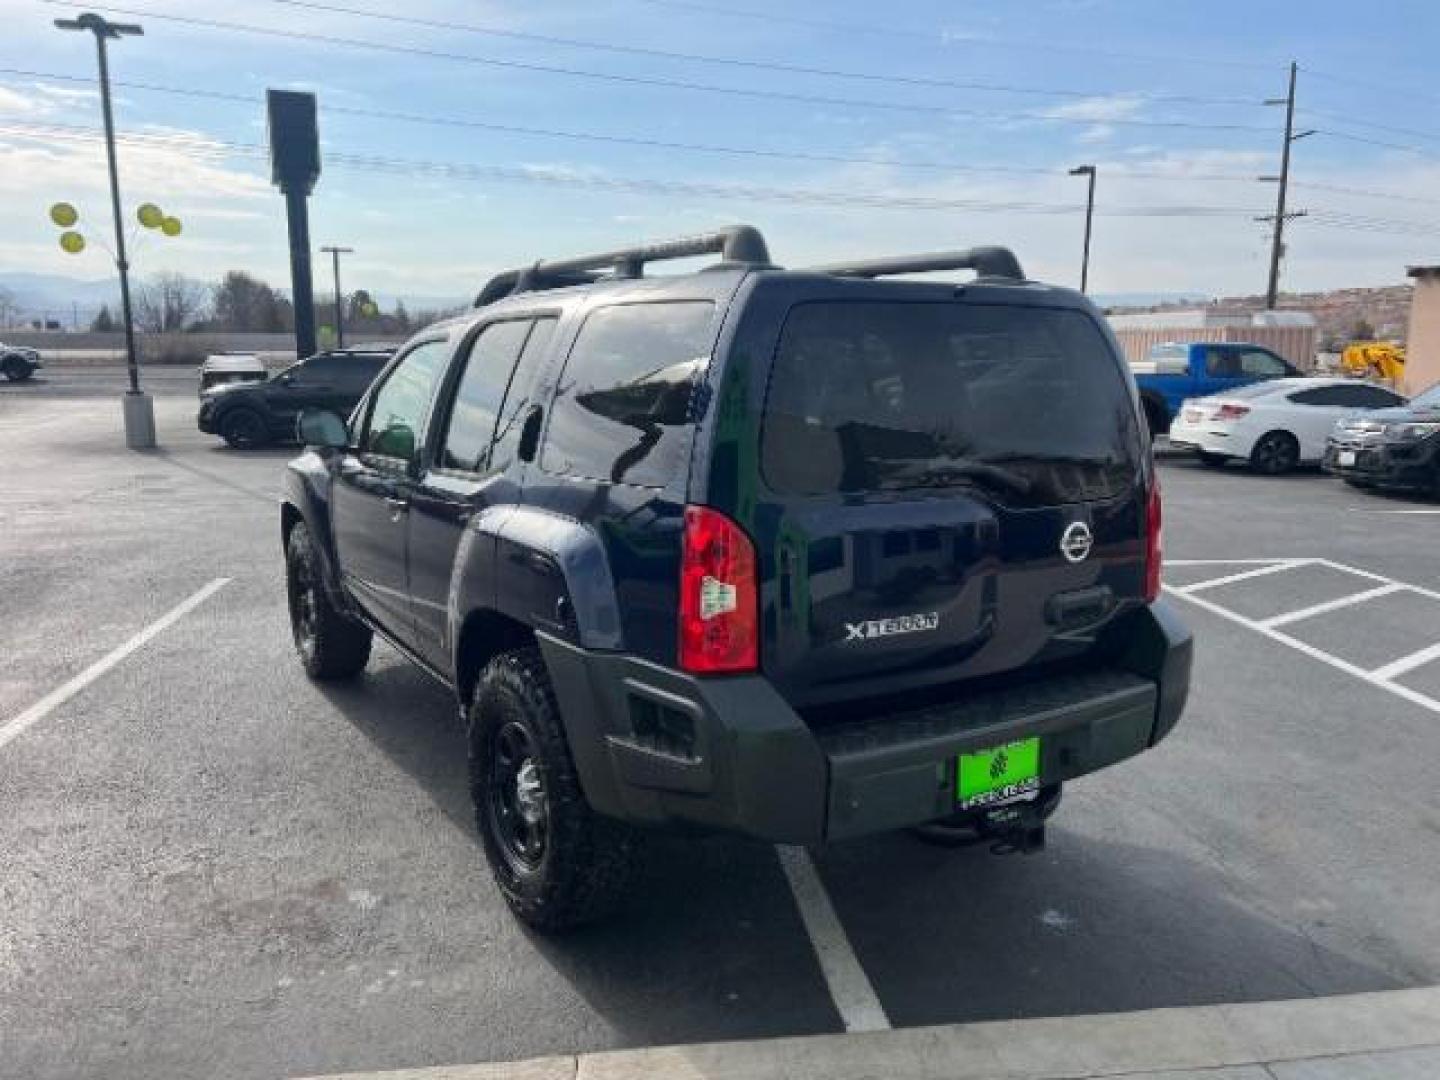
x=72, y=242
x=64, y=215
x=170, y=226
x=150, y=215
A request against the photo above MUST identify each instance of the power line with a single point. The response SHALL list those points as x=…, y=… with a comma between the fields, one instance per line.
x=1054, y=116
x=213, y=149
x=1348, y=119
x=1118, y=172
x=1388, y=89
x=947, y=37
x=752, y=64
x=1366, y=141
x=641, y=141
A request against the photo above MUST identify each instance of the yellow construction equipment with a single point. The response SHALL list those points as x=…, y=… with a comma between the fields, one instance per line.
x=1382, y=360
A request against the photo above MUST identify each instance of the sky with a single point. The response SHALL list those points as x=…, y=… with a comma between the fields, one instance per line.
x=461, y=137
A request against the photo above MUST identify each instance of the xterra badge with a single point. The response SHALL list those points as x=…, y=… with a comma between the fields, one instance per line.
x=902, y=624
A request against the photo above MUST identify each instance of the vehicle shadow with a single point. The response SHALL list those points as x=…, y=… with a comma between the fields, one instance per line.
x=707, y=946
x=710, y=944
x=1088, y=925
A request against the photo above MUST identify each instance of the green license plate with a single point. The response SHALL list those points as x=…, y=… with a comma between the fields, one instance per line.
x=998, y=775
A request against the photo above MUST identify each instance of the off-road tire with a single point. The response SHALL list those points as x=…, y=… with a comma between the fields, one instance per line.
x=331, y=645
x=586, y=861
x=244, y=429
x=1275, y=453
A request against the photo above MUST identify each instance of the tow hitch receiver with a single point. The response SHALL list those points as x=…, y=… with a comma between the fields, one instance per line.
x=1008, y=828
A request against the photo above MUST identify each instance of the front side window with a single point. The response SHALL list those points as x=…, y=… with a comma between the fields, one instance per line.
x=397, y=411
x=1027, y=402
x=479, y=395
x=622, y=407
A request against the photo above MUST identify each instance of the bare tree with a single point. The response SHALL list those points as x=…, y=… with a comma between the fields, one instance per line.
x=9, y=309
x=169, y=302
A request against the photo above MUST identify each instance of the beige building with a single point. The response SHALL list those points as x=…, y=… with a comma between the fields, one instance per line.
x=1422, y=343
x=1289, y=333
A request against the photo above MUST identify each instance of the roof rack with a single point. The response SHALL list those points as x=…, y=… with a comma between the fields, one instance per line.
x=737, y=244
x=987, y=262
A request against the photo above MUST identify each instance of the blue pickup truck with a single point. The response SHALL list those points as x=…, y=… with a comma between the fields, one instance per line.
x=1179, y=370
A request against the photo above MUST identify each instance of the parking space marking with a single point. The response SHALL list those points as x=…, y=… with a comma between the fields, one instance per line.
x=850, y=989
x=1334, y=605
x=1243, y=575
x=1382, y=677
x=61, y=694
x=1396, y=668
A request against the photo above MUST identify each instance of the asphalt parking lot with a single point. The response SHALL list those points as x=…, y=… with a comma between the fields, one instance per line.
x=213, y=867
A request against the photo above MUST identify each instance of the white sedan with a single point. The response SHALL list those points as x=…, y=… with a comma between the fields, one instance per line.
x=1274, y=425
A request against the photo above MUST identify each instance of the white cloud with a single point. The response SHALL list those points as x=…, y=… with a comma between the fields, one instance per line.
x=1100, y=109
x=17, y=104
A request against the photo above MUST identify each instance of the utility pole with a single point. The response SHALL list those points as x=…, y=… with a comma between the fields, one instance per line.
x=139, y=409
x=335, y=253
x=1277, y=240
x=1086, y=170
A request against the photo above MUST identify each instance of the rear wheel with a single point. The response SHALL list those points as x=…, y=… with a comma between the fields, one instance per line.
x=1275, y=453
x=557, y=862
x=16, y=370
x=244, y=429
x=331, y=645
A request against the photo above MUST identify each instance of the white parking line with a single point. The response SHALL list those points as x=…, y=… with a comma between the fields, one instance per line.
x=1396, y=668
x=1244, y=575
x=37, y=712
x=1382, y=677
x=1334, y=605
x=855, y=999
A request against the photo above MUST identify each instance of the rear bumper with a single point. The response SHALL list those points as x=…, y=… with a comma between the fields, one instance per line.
x=657, y=746
x=1412, y=465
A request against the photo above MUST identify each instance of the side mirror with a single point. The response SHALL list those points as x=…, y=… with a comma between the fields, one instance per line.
x=322, y=428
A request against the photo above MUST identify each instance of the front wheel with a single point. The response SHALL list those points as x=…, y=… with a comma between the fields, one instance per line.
x=557, y=862
x=244, y=429
x=17, y=370
x=331, y=645
x=1275, y=453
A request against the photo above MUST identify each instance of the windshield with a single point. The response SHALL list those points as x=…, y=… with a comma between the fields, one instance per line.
x=1430, y=399
x=897, y=396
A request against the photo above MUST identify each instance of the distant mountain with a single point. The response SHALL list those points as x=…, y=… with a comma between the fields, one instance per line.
x=56, y=296
x=1341, y=315
x=1147, y=300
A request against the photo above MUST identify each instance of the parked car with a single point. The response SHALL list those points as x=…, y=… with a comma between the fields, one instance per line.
x=1178, y=371
x=220, y=369
x=252, y=414
x=19, y=362
x=800, y=554
x=1393, y=448
x=1276, y=425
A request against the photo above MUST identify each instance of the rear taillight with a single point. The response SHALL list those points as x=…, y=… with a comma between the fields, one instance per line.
x=1153, y=555
x=1229, y=411
x=719, y=627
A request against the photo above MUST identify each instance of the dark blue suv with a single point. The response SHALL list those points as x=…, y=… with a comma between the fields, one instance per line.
x=804, y=554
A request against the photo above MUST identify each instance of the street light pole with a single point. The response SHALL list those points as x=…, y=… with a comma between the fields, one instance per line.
x=139, y=412
x=335, y=253
x=1086, y=170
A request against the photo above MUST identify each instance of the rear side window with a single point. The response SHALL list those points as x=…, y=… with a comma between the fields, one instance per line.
x=478, y=397
x=622, y=405
x=517, y=403
x=1027, y=402
x=1262, y=365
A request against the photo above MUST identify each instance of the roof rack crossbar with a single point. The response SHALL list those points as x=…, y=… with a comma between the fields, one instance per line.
x=737, y=244
x=989, y=262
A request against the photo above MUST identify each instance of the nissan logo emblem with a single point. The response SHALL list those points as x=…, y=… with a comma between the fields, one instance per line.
x=1076, y=541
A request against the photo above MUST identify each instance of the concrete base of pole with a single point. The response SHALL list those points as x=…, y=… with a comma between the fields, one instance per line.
x=139, y=421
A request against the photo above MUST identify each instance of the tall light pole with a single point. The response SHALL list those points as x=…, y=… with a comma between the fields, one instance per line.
x=1086, y=170
x=335, y=253
x=1277, y=239
x=139, y=410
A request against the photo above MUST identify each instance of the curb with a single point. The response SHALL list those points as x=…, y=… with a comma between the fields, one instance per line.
x=1059, y=1048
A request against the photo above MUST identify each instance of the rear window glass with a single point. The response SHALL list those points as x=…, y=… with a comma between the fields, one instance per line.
x=1028, y=403
x=622, y=408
